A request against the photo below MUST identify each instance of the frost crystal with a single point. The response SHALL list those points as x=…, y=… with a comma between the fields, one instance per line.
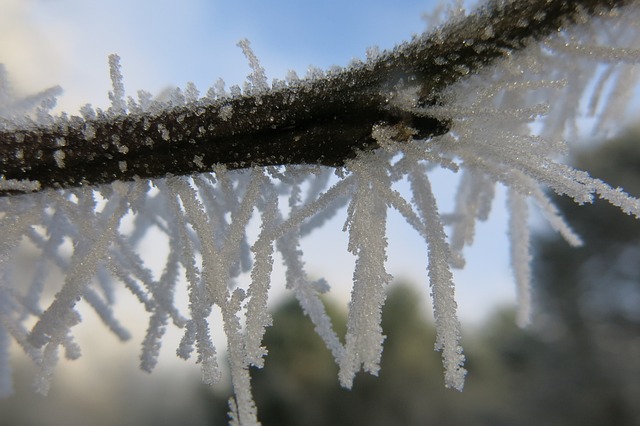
x=507, y=125
x=257, y=79
x=117, y=96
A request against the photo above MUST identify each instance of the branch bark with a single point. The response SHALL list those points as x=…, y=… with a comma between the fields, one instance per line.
x=324, y=121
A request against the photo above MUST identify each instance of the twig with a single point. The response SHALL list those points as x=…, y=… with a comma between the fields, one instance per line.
x=324, y=121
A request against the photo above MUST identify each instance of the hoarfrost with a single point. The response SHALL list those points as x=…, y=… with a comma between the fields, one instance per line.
x=366, y=223
x=19, y=185
x=118, y=105
x=507, y=127
x=257, y=79
x=58, y=156
x=226, y=112
x=520, y=256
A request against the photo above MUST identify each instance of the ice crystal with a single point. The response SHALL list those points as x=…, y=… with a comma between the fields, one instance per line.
x=366, y=224
x=507, y=127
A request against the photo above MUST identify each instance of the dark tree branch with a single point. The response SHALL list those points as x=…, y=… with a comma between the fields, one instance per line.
x=324, y=121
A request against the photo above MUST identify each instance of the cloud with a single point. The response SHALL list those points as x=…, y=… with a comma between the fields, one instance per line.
x=27, y=49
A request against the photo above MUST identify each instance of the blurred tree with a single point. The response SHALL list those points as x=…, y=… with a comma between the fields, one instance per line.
x=299, y=386
x=578, y=364
x=590, y=298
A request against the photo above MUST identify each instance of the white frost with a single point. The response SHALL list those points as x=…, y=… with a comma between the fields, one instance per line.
x=508, y=127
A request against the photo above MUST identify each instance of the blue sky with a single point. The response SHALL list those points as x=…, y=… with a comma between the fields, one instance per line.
x=164, y=42
x=167, y=43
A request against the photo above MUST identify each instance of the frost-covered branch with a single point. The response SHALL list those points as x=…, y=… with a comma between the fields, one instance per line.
x=432, y=103
x=324, y=120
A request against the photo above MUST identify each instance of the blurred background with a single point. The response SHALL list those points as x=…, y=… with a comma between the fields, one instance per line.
x=577, y=364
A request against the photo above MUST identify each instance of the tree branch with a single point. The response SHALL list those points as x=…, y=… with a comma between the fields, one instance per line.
x=324, y=121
